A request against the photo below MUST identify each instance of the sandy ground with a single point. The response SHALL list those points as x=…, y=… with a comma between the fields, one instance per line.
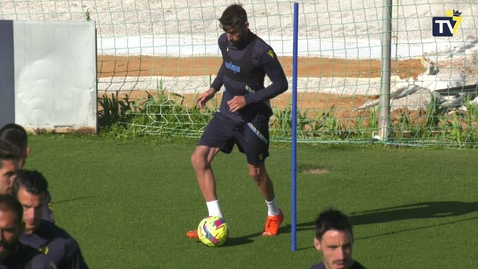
x=134, y=66
x=117, y=66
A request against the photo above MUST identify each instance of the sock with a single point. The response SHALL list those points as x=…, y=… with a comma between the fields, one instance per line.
x=272, y=208
x=213, y=208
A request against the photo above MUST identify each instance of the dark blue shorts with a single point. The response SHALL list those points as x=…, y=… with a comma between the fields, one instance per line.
x=252, y=138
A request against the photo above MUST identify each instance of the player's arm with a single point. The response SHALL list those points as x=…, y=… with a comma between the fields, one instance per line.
x=218, y=81
x=74, y=257
x=77, y=262
x=41, y=262
x=273, y=69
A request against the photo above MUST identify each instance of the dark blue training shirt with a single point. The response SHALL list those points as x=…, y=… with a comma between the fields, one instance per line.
x=57, y=245
x=242, y=73
x=26, y=257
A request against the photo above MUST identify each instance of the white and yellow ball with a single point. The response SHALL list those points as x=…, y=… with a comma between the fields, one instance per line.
x=213, y=231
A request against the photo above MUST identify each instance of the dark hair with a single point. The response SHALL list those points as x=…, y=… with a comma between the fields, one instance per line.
x=8, y=151
x=15, y=134
x=332, y=219
x=8, y=203
x=33, y=181
x=234, y=15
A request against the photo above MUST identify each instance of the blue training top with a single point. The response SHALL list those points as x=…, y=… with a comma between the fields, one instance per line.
x=242, y=73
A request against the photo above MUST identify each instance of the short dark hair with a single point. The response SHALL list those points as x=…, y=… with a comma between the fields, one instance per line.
x=9, y=151
x=234, y=15
x=33, y=181
x=8, y=203
x=332, y=219
x=15, y=134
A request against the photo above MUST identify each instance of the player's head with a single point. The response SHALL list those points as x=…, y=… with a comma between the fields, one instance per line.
x=9, y=157
x=334, y=239
x=30, y=188
x=11, y=225
x=234, y=22
x=16, y=134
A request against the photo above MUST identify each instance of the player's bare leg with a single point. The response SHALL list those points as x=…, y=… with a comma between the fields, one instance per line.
x=275, y=216
x=260, y=176
x=201, y=160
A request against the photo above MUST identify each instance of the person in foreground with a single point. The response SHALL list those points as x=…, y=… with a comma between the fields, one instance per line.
x=9, y=158
x=334, y=238
x=13, y=254
x=16, y=135
x=243, y=117
x=30, y=187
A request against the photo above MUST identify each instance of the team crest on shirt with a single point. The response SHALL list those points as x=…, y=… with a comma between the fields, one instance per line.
x=44, y=249
x=271, y=53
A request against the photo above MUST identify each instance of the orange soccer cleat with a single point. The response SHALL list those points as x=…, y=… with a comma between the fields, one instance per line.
x=272, y=224
x=193, y=234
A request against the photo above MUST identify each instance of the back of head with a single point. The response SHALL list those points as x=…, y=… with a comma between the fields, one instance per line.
x=14, y=134
x=9, y=151
x=33, y=181
x=9, y=203
x=234, y=15
x=332, y=219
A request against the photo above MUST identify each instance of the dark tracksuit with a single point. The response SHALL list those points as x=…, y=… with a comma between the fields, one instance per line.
x=242, y=73
x=57, y=245
x=27, y=258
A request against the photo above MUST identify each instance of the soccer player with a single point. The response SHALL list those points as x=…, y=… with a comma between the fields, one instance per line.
x=334, y=238
x=243, y=117
x=30, y=188
x=9, y=158
x=16, y=134
x=13, y=254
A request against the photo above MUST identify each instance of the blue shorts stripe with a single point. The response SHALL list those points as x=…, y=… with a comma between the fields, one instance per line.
x=249, y=89
x=257, y=133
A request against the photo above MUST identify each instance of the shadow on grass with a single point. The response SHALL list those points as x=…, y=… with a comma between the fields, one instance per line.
x=424, y=210
x=417, y=228
x=411, y=211
x=71, y=200
x=414, y=211
x=236, y=241
x=402, y=231
x=242, y=240
x=384, y=215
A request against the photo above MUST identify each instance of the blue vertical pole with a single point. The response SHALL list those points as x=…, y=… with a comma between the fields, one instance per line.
x=294, y=129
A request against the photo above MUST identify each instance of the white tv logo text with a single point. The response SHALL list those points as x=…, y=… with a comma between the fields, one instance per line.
x=441, y=23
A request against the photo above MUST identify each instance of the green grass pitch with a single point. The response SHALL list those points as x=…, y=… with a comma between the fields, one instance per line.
x=130, y=203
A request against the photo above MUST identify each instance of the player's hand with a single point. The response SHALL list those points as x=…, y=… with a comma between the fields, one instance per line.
x=204, y=97
x=236, y=103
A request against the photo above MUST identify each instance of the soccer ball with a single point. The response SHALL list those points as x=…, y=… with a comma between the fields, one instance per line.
x=213, y=231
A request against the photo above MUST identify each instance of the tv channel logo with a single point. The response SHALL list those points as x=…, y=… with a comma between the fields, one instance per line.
x=447, y=26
